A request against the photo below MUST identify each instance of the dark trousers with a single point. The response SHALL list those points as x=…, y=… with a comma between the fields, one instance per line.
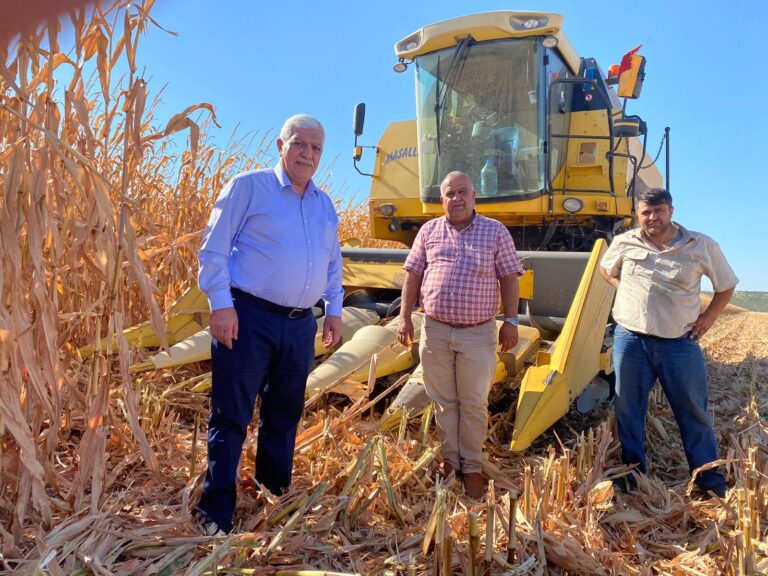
x=679, y=365
x=271, y=357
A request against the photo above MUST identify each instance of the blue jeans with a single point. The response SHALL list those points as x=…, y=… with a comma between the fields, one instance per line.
x=679, y=365
x=271, y=357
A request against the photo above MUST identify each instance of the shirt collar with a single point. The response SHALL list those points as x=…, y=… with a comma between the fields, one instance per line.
x=468, y=226
x=285, y=182
x=683, y=235
x=682, y=238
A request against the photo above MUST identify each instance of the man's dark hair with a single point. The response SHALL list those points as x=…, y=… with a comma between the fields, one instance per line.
x=653, y=197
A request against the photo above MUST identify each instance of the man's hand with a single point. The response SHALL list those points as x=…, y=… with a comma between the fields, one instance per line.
x=224, y=326
x=331, y=331
x=705, y=320
x=701, y=326
x=507, y=336
x=405, y=330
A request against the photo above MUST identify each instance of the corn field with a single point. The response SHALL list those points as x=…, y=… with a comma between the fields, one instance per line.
x=102, y=206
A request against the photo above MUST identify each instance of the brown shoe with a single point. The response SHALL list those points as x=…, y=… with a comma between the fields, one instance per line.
x=474, y=485
x=445, y=470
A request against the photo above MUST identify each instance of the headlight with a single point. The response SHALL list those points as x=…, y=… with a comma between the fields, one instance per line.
x=549, y=42
x=409, y=44
x=387, y=209
x=572, y=205
x=528, y=22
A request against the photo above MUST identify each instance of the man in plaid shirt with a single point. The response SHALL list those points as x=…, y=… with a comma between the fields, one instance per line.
x=457, y=265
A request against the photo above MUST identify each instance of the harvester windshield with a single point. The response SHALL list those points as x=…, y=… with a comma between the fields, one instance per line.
x=478, y=108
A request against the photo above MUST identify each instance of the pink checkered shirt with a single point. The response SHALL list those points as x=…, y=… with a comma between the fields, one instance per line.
x=461, y=270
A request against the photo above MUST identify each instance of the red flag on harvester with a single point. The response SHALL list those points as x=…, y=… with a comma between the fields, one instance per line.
x=626, y=61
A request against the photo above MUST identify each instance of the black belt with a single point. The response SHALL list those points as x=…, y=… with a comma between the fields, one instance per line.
x=653, y=337
x=292, y=313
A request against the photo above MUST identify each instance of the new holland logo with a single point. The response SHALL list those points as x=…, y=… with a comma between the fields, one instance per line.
x=400, y=154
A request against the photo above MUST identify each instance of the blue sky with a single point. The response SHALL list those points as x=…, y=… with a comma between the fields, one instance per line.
x=258, y=63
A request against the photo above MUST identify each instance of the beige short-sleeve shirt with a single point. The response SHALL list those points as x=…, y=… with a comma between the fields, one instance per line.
x=659, y=292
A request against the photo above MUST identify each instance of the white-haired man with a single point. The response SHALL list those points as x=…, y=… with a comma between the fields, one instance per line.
x=269, y=253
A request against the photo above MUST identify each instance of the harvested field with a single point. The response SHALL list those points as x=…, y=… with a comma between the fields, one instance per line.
x=365, y=502
x=100, y=220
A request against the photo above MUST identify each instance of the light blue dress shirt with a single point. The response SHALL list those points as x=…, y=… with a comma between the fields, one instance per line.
x=267, y=240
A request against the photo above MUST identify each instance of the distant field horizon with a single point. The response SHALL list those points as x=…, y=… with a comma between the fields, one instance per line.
x=749, y=300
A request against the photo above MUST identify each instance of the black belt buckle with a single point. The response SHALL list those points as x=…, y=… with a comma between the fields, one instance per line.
x=296, y=313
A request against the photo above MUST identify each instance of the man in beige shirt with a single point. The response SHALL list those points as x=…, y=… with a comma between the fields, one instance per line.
x=656, y=270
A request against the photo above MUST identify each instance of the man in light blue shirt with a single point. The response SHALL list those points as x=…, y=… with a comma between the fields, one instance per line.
x=269, y=253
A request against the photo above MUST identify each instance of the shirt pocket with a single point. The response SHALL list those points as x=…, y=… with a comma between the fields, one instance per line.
x=440, y=253
x=327, y=234
x=481, y=261
x=638, y=263
x=680, y=273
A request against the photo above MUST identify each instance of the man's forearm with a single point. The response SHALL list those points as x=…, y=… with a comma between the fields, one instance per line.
x=510, y=294
x=411, y=291
x=719, y=302
x=334, y=291
x=214, y=280
x=612, y=280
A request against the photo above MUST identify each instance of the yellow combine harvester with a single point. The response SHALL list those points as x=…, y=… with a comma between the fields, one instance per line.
x=503, y=92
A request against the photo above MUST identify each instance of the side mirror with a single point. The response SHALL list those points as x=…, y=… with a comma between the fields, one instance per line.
x=357, y=126
x=359, y=120
x=631, y=76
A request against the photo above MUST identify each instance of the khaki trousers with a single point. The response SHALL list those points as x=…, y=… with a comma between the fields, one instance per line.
x=459, y=365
